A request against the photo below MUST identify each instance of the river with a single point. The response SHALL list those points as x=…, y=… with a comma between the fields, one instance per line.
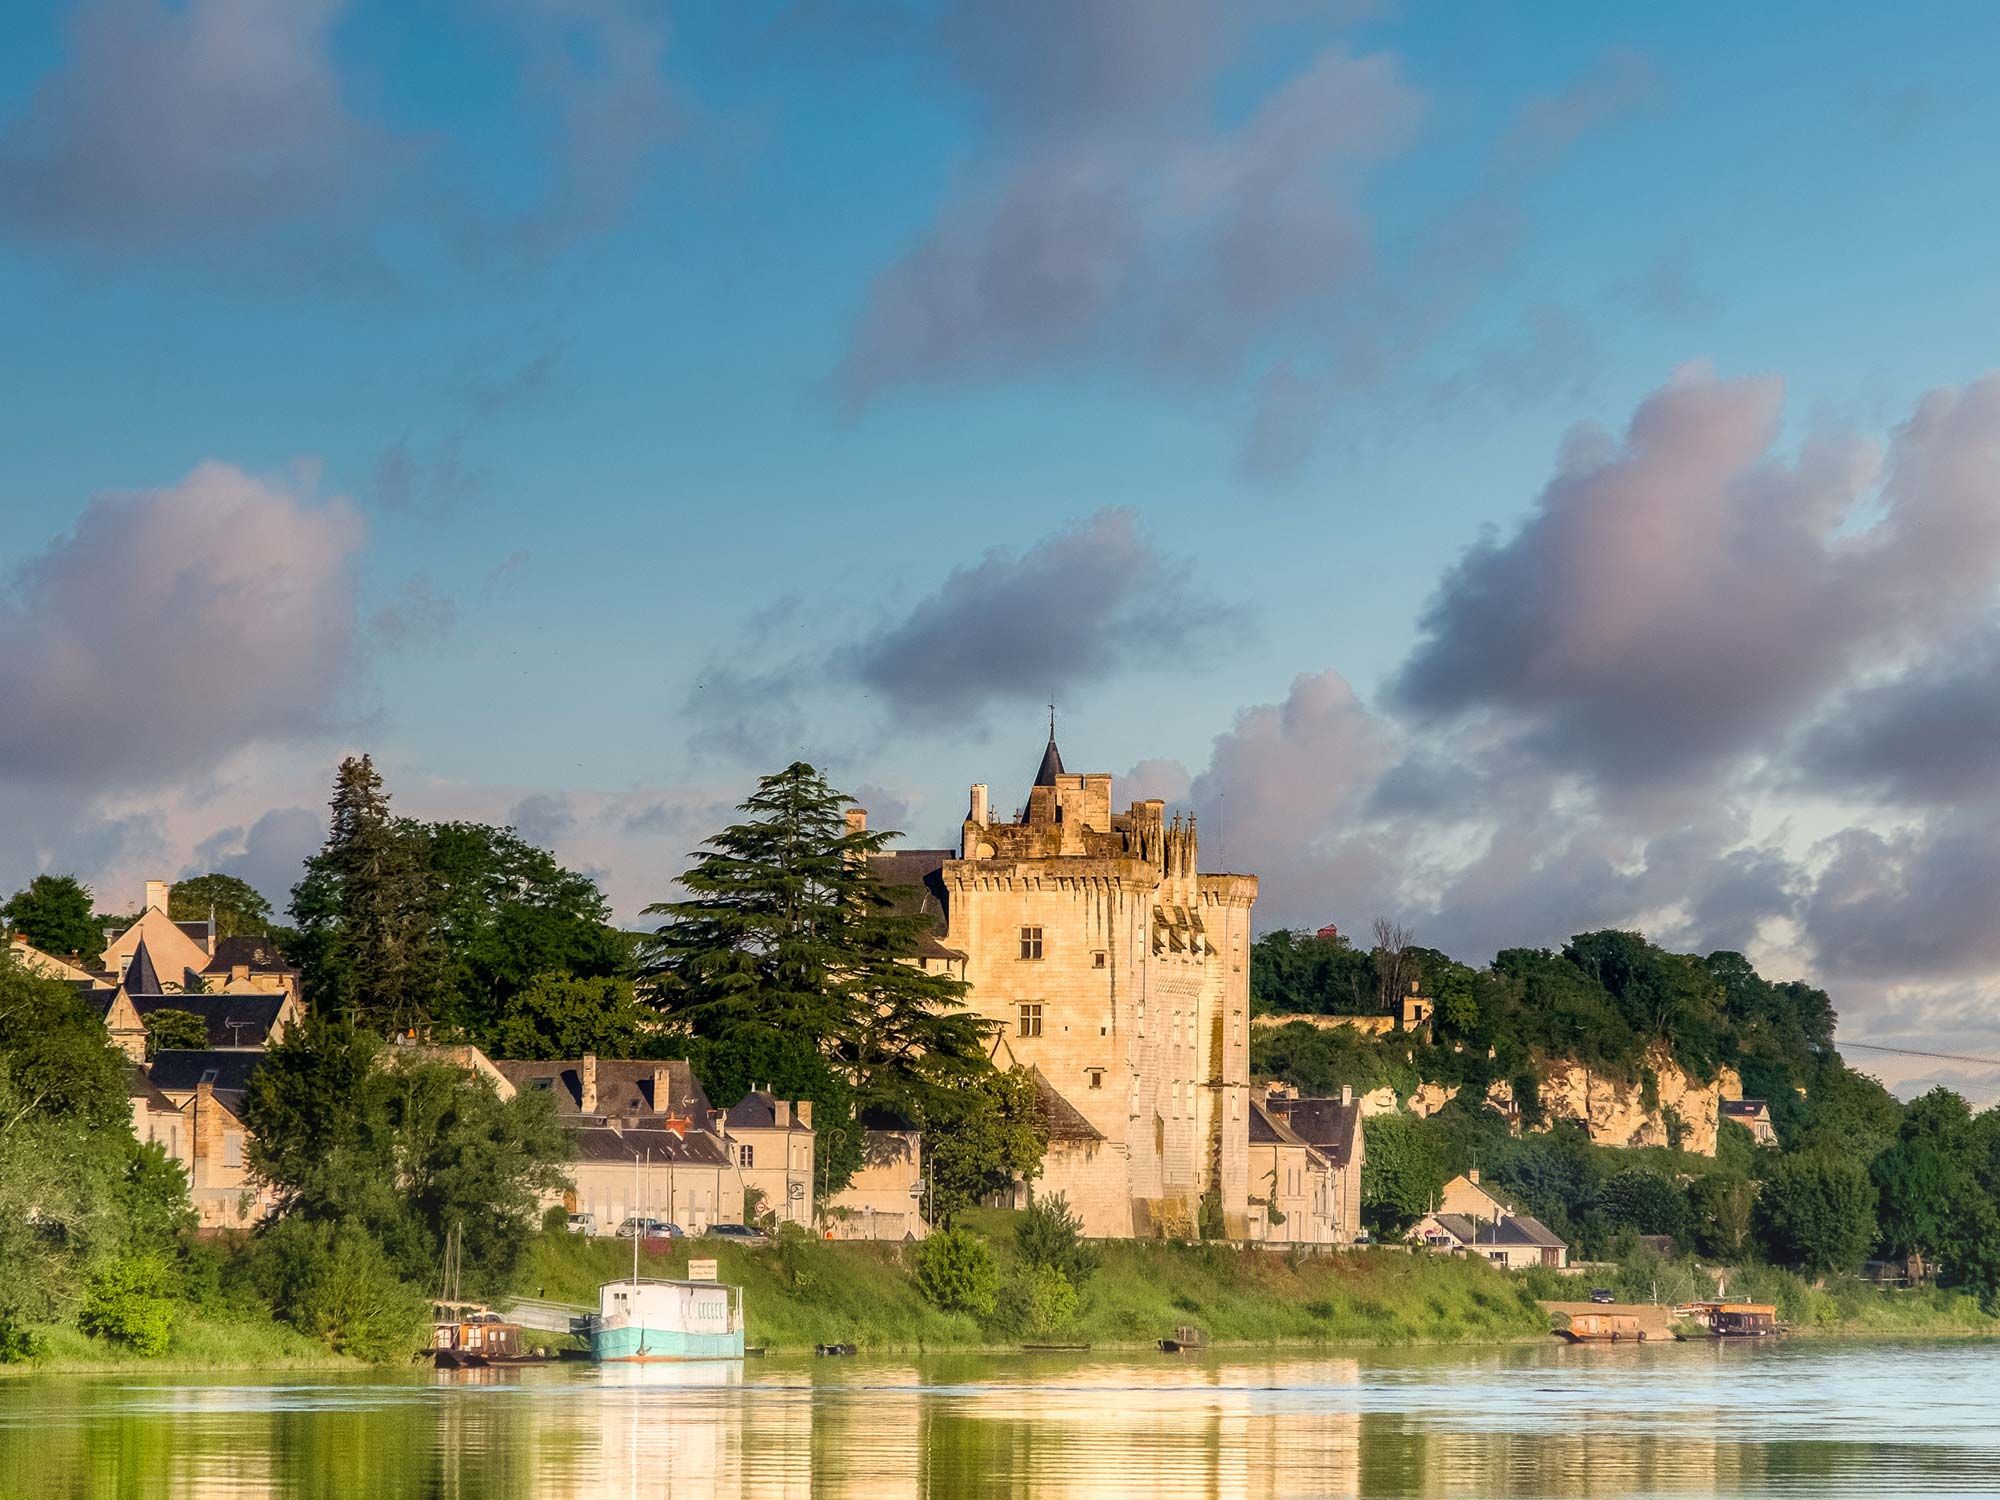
x=1799, y=1418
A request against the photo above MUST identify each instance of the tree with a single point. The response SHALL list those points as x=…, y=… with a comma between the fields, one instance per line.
x=54, y=914
x=170, y=1030
x=1817, y=1213
x=508, y=913
x=788, y=940
x=240, y=910
x=1304, y=973
x=333, y=1283
x=956, y=1272
x=1395, y=965
x=367, y=911
x=981, y=1139
x=1048, y=1236
x=1646, y=1202
x=1402, y=1172
x=560, y=1015
x=349, y=1131
x=1722, y=1208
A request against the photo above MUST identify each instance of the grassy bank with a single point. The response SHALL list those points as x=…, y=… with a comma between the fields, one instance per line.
x=814, y=1292
x=199, y=1343
x=1838, y=1305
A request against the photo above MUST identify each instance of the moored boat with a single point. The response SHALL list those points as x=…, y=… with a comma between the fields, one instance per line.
x=643, y=1319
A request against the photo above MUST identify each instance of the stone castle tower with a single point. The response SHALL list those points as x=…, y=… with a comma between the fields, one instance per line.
x=1121, y=976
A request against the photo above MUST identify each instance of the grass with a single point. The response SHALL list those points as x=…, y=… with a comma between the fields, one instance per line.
x=1835, y=1305
x=200, y=1343
x=817, y=1292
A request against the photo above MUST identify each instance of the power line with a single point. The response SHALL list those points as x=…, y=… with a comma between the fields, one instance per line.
x=1984, y=1062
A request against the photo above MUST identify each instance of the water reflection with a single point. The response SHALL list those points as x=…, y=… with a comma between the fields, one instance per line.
x=1686, y=1420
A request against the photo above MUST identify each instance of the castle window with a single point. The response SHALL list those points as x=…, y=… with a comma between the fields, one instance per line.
x=1096, y=1077
x=1099, y=958
x=1031, y=942
x=1031, y=1020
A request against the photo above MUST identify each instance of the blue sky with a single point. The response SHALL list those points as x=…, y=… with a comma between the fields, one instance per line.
x=620, y=399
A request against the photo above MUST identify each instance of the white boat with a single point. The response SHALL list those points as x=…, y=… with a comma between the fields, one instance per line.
x=644, y=1319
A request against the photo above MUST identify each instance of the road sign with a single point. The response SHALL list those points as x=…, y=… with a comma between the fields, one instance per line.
x=701, y=1270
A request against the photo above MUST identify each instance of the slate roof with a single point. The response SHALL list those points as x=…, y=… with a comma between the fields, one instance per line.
x=141, y=978
x=1051, y=766
x=1065, y=1121
x=698, y=1148
x=196, y=931
x=1327, y=1124
x=182, y=1072
x=1748, y=1108
x=913, y=879
x=1266, y=1129
x=232, y=1020
x=1510, y=1229
x=624, y=1087
x=259, y=954
x=757, y=1110
x=139, y=1086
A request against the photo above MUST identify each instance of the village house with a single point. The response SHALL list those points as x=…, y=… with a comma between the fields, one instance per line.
x=187, y=957
x=1306, y=1157
x=885, y=1200
x=230, y=1019
x=650, y=1144
x=1119, y=975
x=1754, y=1115
x=191, y=1103
x=1472, y=1220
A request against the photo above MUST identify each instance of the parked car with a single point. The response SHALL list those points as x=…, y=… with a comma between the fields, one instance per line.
x=648, y=1229
x=584, y=1224
x=738, y=1234
x=1602, y=1294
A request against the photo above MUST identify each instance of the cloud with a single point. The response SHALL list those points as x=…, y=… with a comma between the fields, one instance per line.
x=270, y=854
x=1619, y=84
x=1679, y=599
x=542, y=819
x=173, y=626
x=1106, y=219
x=1077, y=607
x=170, y=124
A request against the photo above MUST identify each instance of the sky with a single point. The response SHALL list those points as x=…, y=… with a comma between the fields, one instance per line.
x=1515, y=469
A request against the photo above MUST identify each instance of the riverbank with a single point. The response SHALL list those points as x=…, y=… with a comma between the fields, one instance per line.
x=813, y=1292
x=199, y=1343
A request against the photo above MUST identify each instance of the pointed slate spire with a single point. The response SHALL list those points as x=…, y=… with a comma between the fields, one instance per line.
x=141, y=978
x=1052, y=765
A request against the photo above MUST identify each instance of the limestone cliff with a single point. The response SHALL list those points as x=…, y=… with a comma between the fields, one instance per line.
x=1615, y=1111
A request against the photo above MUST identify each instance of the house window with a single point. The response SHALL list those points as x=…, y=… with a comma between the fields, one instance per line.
x=1031, y=1020
x=1096, y=1077
x=1099, y=958
x=746, y=1156
x=232, y=1148
x=1031, y=942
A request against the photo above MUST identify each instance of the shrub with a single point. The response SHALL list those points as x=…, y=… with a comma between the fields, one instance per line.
x=131, y=1302
x=1052, y=1302
x=337, y=1286
x=1050, y=1235
x=555, y=1219
x=799, y=1258
x=956, y=1272
x=18, y=1342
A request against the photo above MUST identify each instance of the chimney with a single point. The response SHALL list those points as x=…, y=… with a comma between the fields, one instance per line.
x=156, y=895
x=663, y=1090
x=1473, y=1177
x=805, y=1109
x=981, y=804
x=781, y=1113
x=1346, y=1094
x=857, y=820
x=239, y=973
x=679, y=1124
x=588, y=1103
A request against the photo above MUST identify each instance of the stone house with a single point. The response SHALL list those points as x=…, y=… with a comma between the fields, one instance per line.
x=1306, y=1157
x=1754, y=1115
x=885, y=1199
x=772, y=1141
x=187, y=956
x=1119, y=973
x=1471, y=1219
x=243, y=1018
x=651, y=1145
x=205, y=1132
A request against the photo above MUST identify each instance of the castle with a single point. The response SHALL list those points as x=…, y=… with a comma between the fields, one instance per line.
x=1120, y=976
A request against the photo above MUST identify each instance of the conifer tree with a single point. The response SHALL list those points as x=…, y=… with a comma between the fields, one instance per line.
x=366, y=911
x=788, y=955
